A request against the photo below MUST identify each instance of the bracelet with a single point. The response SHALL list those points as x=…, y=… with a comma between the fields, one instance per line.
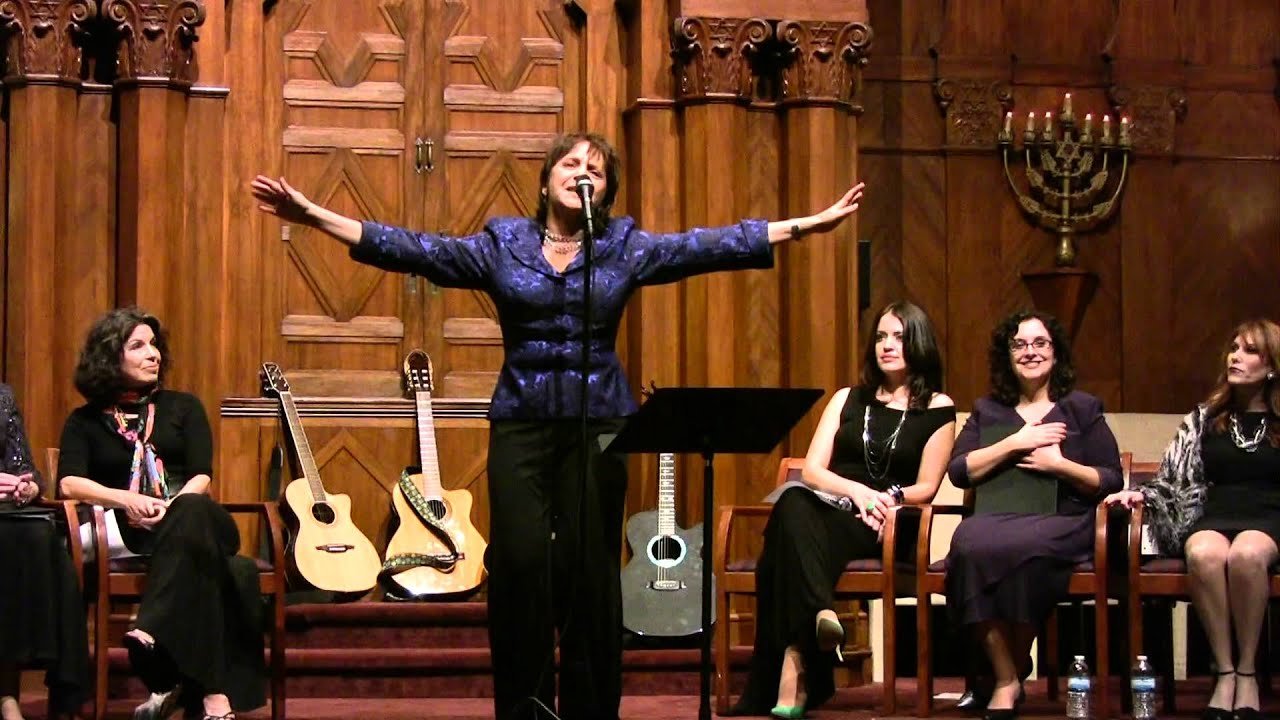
x=795, y=232
x=897, y=493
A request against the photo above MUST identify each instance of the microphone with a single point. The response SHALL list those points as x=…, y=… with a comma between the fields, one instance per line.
x=585, y=190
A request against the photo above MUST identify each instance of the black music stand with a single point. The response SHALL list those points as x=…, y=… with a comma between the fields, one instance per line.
x=707, y=421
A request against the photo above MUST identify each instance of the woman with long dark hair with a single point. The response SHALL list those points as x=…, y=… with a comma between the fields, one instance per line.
x=882, y=443
x=1216, y=501
x=533, y=269
x=146, y=452
x=1008, y=568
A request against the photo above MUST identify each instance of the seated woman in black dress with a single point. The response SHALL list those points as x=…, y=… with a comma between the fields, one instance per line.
x=42, y=622
x=147, y=451
x=880, y=444
x=1217, y=500
x=1006, y=570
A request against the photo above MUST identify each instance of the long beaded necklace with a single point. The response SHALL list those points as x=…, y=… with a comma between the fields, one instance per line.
x=878, y=461
x=562, y=244
x=1237, y=437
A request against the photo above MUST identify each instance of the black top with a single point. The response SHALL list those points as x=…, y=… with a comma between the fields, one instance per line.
x=1241, y=482
x=847, y=458
x=92, y=448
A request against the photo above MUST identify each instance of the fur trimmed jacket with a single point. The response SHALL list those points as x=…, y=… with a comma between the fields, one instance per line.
x=1175, y=497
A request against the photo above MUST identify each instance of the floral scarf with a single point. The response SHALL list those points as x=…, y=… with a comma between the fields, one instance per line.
x=146, y=473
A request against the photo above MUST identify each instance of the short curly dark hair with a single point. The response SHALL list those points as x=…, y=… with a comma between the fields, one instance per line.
x=98, y=376
x=1004, y=384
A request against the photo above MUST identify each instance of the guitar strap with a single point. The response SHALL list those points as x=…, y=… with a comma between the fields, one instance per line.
x=397, y=564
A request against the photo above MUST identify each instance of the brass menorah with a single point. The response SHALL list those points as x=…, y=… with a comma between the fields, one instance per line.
x=1068, y=173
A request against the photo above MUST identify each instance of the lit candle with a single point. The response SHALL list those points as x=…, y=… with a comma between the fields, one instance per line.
x=1106, y=128
x=1048, y=124
x=1066, y=105
x=1031, y=122
x=1088, y=125
x=1124, y=131
x=1008, y=123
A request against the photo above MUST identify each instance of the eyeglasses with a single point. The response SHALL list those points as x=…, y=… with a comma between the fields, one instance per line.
x=1039, y=343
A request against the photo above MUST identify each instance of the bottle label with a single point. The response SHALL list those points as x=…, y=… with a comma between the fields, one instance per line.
x=1143, y=684
x=1078, y=684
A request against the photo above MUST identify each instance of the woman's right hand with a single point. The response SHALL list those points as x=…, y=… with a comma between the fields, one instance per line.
x=1037, y=434
x=872, y=506
x=8, y=485
x=278, y=197
x=138, y=507
x=1128, y=499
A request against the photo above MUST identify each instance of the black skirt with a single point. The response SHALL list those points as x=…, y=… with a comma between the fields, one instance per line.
x=42, y=613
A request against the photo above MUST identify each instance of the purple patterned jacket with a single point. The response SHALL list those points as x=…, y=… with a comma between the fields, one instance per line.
x=540, y=310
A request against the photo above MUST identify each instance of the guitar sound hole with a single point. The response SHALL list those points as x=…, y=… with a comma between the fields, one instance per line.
x=438, y=508
x=323, y=513
x=666, y=551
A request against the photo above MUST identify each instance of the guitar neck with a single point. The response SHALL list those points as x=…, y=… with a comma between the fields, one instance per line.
x=427, y=454
x=302, y=446
x=666, y=494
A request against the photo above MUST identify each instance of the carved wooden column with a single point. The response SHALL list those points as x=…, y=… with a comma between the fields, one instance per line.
x=155, y=69
x=43, y=40
x=819, y=91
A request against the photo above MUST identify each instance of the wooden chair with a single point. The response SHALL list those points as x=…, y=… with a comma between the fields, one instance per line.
x=862, y=579
x=123, y=580
x=1088, y=582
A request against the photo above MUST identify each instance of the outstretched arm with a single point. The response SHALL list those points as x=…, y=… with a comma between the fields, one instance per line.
x=824, y=221
x=277, y=197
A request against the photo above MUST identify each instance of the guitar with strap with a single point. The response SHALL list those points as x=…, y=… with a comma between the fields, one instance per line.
x=328, y=551
x=435, y=551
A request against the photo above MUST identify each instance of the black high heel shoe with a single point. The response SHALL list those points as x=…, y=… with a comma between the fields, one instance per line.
x=1246, y=713
x=830, y=635
x=1216, y=713
x=1008, y=713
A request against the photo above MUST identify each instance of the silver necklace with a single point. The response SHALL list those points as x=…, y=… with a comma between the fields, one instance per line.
x=1237, y=437
x=873, y=458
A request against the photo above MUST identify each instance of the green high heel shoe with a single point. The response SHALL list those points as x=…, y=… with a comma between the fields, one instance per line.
x=788, y=712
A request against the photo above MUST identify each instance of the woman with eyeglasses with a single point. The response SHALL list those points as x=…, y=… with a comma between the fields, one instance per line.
x=1033, y=437
x=1215, y=501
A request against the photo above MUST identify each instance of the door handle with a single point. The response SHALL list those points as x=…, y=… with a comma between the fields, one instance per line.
x=424, y=155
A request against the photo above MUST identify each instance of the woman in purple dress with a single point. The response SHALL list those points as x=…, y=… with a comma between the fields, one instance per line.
x=1006, y=570
x=533, y=270
x=1215, y=500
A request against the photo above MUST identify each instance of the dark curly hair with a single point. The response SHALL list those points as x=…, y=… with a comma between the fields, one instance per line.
x=1004, y=384
x=612, y=171
x=98, y=376
x=919, y=350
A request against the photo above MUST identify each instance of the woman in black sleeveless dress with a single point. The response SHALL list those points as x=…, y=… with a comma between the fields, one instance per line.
x=880, y=444
x=1216, y=499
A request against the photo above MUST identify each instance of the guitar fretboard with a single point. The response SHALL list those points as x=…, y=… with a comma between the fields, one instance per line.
x=303, y=447
x=427, y=454
x=667, y=494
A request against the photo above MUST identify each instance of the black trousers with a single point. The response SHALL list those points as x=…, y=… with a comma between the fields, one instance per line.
x=553, y=559
x=807, y=544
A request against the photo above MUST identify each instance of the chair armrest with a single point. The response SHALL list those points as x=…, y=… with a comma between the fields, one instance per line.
x=889, y=543
x=924, y=539
x=1135, y=546
x=72, y=519
x=275, y=525
x=1100, y=512
x=724, y=525
x=100, y=548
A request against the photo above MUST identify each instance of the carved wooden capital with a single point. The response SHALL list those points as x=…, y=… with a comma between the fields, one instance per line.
x=718, y=58
x=157, y=37
x=974, y=109
x=1153, y=113
x=44, y=38
x=823, y=61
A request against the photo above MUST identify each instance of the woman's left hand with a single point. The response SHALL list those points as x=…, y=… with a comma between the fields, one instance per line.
x=1046, y=459
x=831, y=218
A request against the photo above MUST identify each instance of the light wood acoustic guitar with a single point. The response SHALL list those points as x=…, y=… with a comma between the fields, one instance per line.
x=435, y=552
x=328, y=550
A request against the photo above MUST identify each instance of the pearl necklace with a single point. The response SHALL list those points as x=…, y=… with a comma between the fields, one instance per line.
x=562, y=244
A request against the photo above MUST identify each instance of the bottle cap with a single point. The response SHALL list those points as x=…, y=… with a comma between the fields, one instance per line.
x=1079, y=657
x=1142, y=657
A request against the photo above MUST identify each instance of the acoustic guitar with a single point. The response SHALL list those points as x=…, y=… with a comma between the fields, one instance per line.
x=328, y=550
x=662, y=584
x=435, y=551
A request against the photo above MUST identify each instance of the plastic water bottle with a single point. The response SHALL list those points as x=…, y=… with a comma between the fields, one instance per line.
x=1143, y=686
x=1079, y=685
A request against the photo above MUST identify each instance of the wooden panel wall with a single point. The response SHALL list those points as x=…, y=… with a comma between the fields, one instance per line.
x=129, y=152
x=1194, y=247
